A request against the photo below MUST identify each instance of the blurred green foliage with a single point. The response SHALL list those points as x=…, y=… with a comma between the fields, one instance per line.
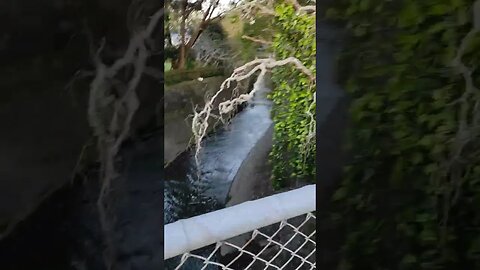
x=259, y=28
x=410, y=194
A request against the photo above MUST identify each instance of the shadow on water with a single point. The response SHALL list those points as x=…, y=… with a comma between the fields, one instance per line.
x=191, y=190
x=64, y=232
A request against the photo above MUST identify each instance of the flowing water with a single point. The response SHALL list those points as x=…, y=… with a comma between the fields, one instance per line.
x=192, y=190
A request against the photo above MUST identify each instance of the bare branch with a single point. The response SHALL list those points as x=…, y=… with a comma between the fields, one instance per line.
x=203, y=24
x=455, y=163
x=211, y=51
x=301, y=8
x=135, y=43
x=249, y=9
x=308, y=9
x=110, y=117
x=200, y=119
x=257, y=40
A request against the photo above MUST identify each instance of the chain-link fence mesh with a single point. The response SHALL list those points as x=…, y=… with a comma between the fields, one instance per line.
x=289, y=245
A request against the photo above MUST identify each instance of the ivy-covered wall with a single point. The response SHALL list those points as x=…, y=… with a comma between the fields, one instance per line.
x=292, y=157
x=410, y=193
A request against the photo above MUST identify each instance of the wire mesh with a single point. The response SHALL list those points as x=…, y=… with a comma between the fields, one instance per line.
x=289, y=244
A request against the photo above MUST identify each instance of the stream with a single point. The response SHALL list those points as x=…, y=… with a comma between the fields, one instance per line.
x=191, y=190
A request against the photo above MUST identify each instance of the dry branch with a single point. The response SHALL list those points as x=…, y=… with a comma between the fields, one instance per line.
x=257, y=40
x=455, y=164
x=200, y=119
x=266, y=7
x=110, y=115
x=301, y=8
x=248, y=10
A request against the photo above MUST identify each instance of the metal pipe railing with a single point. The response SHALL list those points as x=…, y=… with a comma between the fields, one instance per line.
x=190, y=234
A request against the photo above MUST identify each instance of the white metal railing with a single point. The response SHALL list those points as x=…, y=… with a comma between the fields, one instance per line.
x=275, y=232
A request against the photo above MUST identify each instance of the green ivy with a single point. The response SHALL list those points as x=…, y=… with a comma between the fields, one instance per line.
x=292, y=96
x=408, y=200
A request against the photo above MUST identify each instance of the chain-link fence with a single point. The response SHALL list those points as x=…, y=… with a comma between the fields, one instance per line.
x=277, y=232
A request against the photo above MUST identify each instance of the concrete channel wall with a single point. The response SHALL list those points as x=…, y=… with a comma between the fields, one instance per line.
x=180, y=102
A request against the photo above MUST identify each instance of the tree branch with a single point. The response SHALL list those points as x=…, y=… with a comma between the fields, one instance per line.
x=203, y=24
x=257, y=40
x=110, y=117
x=200, y=119
x=455, y=164
x=301, y=8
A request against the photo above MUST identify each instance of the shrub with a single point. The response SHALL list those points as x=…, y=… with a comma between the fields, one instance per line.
x=292, y=96
x=409, y=196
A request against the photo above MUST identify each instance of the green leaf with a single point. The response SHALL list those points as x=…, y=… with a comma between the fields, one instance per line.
x=456, y=3
x=438, y=148
x=360, y=31
x=410, y=14
x=428, y=236
x=429, y=169
x=421, y=218
x=397, y=173
x=340, y=194
x=426, y=140
x=364, y=5
x=399, y=134
x=439, y=9
x=437, y=28
x=332, y=13
x=417, y=158
x=409, y=259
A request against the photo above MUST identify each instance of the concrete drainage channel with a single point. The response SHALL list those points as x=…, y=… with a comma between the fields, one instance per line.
x=180, y=102
x=234, y=164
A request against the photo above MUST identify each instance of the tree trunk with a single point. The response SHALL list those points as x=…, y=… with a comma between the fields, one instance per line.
x=181, y=61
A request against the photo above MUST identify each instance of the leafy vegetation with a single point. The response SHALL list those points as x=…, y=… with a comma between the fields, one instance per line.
x=410, y=193
x=237, y=27
x=260, y=27
x=292, y=97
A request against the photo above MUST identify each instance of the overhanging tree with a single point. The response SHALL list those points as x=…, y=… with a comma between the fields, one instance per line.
x=187, y=11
